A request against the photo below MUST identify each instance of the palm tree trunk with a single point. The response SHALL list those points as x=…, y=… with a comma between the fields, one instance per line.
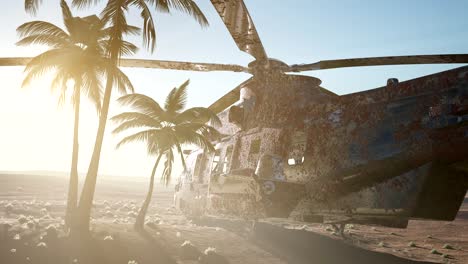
x=80, y=226
x=140, y=220
x=73, y=184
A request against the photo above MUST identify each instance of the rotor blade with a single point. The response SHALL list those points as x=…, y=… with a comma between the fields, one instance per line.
x=380, y=61
x=228, y=99
x=236, y=17
x=158, y=64
x=183, y=66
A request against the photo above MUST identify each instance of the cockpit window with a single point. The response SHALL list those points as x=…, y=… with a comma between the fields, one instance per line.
x=254, y=152
x=216, y=161
x=227, y=159
x=297, y=148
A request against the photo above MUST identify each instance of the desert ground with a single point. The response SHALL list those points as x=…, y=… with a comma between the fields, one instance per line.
x=31, y=231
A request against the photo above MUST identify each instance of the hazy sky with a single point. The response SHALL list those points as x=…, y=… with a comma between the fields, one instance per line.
x=36, y=135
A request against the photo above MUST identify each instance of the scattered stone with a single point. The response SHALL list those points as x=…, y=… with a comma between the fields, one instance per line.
x=448, y=246
x=411, y=244
x=108, y=238
x=382, y=244
x=435, y=252
x=30, y=224
x=9, y=208
x=210, y=256
x=42, y=245
x=13, y=250
x=188, y=251
x=51, y=233
x=132, y=214
x=22, y=219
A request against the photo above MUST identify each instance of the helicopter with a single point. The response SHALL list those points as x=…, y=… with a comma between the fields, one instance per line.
x=290, y=148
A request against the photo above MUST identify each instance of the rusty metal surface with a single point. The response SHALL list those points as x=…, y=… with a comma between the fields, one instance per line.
x=239, y=23
x=376, y=61
x=365, y=155
x=145, y=63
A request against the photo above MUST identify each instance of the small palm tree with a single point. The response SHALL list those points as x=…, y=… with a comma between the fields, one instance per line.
x=165, y=130
x=114, y=15
x=76, y=54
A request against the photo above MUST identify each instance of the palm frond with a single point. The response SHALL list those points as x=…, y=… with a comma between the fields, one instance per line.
x=124, y=47
x=143, y=104
x=51, y=58
x=91, y=86
x=60, y=81
x=149, y=31
x=62, y=96
x=36, y=72
x=141, y=136
x=130, y=120
x=121, y=80
x=31, y=6
x=41, y=39
x=67, y=15
x=40, y=28
x=186, y=6
x=167, y=172
x=114, y=15
x=84, y=3
x=188, y=135
x=198, y=115
x=181, y=153
x=177, y=98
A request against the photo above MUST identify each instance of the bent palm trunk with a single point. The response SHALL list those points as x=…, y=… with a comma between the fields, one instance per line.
x=80, y=225
x=140, y=220
x=73, y=184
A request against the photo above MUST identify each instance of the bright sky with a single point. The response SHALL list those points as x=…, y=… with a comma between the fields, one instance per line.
x=37, y=135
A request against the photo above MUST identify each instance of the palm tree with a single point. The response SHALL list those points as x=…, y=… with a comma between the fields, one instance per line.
x=76, y=54
x=114, y=15
x=165, y=130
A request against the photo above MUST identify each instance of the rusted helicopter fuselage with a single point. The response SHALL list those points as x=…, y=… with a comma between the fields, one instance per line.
x=293, y=149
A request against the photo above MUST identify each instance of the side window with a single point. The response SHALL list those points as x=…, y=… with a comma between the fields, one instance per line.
x=216, y=161
x=227, y=159
x=254, y=152
x=254, y=147
x=297, y=148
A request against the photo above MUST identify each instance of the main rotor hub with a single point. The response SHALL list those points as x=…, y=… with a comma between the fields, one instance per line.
x=267, y=66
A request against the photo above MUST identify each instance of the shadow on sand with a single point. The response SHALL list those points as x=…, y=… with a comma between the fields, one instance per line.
x=296, y=246
x=302, y=247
